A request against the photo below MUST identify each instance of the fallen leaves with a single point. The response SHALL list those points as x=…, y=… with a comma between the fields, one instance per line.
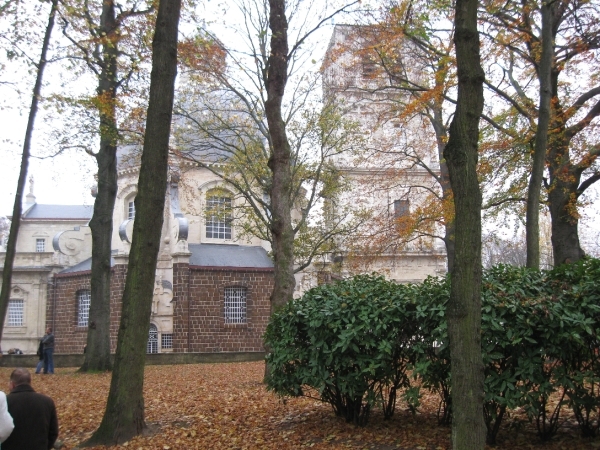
x=225, y=406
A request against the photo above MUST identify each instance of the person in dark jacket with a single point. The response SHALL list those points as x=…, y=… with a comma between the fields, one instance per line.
x=40, y=354
x=34, y=415
x=48, y=341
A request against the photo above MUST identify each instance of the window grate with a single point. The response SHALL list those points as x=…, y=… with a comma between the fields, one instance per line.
x=152, y=346
x=218, y=217
x=83, y=308
x=15, y=313
x=166, y=340
x=235, y=305
x=40, y=245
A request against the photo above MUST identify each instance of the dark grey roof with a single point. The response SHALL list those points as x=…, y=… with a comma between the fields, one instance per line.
x=224, y=255
x=209, y=255
x=75, y=212
x=83, y=266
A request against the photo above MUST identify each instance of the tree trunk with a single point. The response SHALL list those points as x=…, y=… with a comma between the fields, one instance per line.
x=532, y=223
x=97, y=355
x=562, y=199
x=280, y=159
x=464, y=308
x=124, y=414
x=18, y=208
x=441, y=137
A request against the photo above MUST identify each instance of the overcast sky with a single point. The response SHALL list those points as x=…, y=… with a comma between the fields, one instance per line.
x=67, y=179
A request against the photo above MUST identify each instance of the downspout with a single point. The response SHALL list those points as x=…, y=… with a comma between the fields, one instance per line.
x=188, y=311
x=54, y=289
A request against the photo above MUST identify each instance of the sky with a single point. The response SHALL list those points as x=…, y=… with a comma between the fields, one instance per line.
x=68, y=178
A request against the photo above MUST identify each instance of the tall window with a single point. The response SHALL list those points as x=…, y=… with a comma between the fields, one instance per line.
x=131, y=209
x=218, y=217
x=83, y=308
x=14, y=315
x=235, y=305
x=401, y=208
x=152, y=346
x=40, y=245
x=166, y=340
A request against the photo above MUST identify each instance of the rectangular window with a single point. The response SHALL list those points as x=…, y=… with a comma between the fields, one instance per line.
x=166, y=340
x=401, y=208
x=40, y=245
x=368, y=66
x=131, y=210
x=83, y=308
x=218, y=218
x=235, y=305
x=15, y=313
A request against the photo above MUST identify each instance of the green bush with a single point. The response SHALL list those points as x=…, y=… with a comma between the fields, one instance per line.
x=355, y=342
x=350, y=341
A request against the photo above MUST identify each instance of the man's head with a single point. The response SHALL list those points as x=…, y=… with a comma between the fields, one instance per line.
x=18, y=377
x=48, y=330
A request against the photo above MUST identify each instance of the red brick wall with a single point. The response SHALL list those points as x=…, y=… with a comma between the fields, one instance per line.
x=61, y=309
x=198, y=297
x=198, y=322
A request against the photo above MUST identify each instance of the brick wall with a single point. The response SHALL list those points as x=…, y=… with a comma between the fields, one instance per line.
x=62, y=309
x=199, y=323
x=198, y=297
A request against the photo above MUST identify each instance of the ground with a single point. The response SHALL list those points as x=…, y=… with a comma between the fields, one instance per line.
x=225, y=406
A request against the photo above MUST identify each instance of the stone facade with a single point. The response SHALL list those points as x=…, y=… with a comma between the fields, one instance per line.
x=43, y=230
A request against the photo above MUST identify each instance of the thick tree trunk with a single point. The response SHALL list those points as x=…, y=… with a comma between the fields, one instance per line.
x=280, y=159
x=566, y=247
x=18, y=208
x=124, y=414
x=97, y=356
x=464, y=308
x=532, y=223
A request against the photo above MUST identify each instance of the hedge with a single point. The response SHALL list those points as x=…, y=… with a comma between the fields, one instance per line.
x=363, y=342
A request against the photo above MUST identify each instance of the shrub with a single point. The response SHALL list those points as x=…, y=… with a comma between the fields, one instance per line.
x=351, y=341
x=356, y=341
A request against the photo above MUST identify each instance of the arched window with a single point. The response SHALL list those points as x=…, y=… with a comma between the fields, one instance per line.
x=152, y=346
x=218, y=214
x=83, y=307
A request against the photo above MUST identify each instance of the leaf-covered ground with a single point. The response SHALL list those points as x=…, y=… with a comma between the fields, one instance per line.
x=225, y=406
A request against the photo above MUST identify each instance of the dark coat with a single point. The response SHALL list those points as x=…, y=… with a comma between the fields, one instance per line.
x=34, y=415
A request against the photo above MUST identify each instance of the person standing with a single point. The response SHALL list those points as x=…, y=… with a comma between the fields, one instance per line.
x=48, y=341
x=34, y=415
x=40, y=354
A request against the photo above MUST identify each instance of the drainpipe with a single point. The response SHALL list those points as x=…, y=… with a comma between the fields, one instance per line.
x=188, y=312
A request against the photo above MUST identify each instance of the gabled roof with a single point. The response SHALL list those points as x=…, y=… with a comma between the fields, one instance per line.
x=226, y=255
x=61, y=212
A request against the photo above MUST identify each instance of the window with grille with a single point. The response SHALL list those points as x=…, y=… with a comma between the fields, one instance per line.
x=40, y=245
x=235, y=305
x=131, y=210
x=218, y=217
x=14, y=313
x=152, y=346
x=83, y=308
x=166, y=340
